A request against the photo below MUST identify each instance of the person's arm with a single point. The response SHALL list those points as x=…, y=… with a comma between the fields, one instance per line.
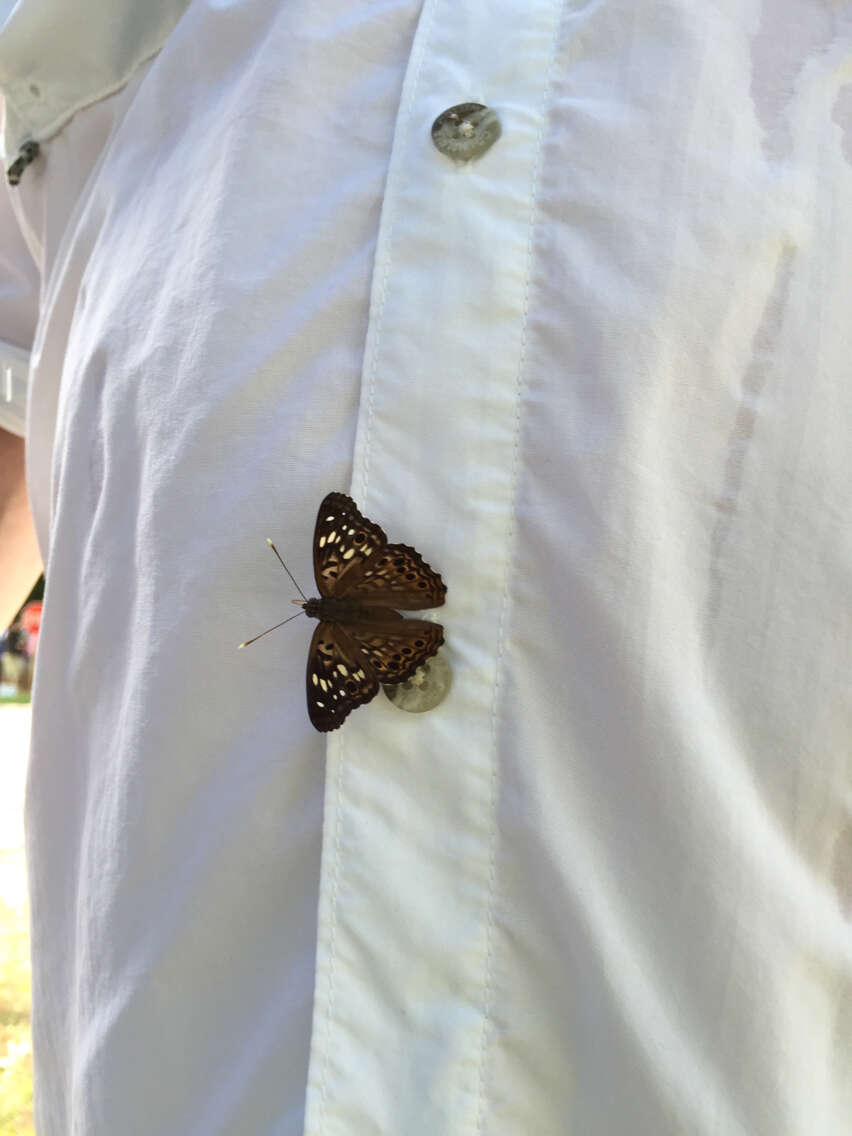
x=20, y=561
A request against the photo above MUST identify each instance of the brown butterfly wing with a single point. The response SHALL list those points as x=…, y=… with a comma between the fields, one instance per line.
x=352, y=558
x=348, y=660
x=339, y=677
x=399, y=577
x=344, y=542
x=394, y=650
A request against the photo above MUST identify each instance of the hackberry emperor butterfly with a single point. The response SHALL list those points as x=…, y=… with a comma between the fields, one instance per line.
x=362, y=640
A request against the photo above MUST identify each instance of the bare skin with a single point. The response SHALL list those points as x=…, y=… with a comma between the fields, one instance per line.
x=20, y=561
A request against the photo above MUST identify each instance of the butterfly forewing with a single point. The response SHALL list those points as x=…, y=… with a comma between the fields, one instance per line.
x=352, y=557
x=344, y=543
x=339, y=677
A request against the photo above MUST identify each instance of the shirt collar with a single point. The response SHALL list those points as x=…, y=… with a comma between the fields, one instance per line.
x=57, y=57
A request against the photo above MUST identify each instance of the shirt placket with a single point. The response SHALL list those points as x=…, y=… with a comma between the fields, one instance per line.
x=404, y=984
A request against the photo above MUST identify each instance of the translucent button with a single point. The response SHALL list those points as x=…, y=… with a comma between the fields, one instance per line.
x=26, y=154
x=428, y=686
x=466, y=131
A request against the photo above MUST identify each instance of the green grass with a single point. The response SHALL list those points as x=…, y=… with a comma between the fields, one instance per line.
x=14, y=698
x=16, y=1073
x=16, y=1068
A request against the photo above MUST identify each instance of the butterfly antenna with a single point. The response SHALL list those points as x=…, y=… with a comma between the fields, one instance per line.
x=266, y=632
x=287, y=570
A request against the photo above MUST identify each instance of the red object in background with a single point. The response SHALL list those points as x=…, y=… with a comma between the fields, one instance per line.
x=31, y=617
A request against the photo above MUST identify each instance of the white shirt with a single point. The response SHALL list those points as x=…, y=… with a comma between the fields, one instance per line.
x=599, y=377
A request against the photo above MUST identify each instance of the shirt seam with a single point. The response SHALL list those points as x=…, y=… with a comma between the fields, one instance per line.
x=401, y=131
x=535, y=182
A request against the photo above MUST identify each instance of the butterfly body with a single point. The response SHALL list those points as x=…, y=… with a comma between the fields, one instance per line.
x=340, y=609
x=362, y=640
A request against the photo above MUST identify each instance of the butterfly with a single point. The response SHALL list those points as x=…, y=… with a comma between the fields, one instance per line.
x=361, y=639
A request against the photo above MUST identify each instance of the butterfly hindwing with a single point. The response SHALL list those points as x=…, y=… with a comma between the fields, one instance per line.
x=399, y=577
x=339, y=676
x=395, y=649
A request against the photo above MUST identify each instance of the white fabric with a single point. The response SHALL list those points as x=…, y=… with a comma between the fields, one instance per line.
x=14, y=367
x=599, y=379
x=19, y=285
x=438, y=447
x=56, y=58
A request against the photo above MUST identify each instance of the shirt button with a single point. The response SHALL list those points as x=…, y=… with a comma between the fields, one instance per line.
x=466, y=131
x=428, y=686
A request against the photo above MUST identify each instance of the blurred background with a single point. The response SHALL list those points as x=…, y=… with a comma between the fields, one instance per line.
x=18, y=644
